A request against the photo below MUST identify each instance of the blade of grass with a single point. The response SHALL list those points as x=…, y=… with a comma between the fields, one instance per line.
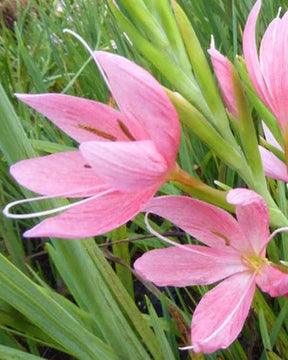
x=27, y=298
x=122, y=251
x=9, y=353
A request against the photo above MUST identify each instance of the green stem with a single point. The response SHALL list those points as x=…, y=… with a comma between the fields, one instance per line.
x=199, y=189
x=122, y=252
x=251, y=149
x=203, y=74
x=229, y=154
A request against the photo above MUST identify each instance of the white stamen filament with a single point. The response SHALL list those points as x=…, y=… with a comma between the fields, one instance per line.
x=212, y=43
x=274, y=233
x=279, y=12
x=277, y=231
x=163, y=238
x=78, y=37
x=87, y=47
x=226, y=321
x=47, y=212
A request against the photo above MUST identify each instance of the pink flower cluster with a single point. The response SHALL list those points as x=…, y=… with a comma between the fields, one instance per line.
x=126, y=155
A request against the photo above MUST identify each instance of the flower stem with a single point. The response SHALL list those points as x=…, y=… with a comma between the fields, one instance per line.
x=197, y=188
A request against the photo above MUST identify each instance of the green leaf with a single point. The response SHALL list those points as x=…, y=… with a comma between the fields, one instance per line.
x=141, y=15
x=179, y=79
x=84, y=279
x=250, y=144
x=49, y=147
x=261, y=108
x=43, y=311
x=260, y=303
x=125, y=302
x=157, y=326
x=264, y=330
x=30, y=65
x=203, y=73
x=169, y=25
x=276, y=328
x=122, y=251
x=13, y=354
x=196, y=122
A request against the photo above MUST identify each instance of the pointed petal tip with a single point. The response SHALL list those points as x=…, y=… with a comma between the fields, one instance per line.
x=242, y=197
x=32, y=233
x=21, y=96
x=257, y=5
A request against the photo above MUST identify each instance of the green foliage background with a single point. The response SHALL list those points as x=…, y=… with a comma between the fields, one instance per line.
x=79, y=299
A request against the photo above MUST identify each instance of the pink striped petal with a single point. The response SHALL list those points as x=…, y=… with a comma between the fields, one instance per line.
x=82, y=119
x=148, y=110
x=270, y=138
x=95, y=217
x=127, y=166
x=220, y=315
x=252, y=215
x=273, y=167
x=251, y=55
x=207, y=223
x=222, y=68
x=176, y=267
x=63, y=174
x=281, y=83
x=273, y=281
x=268, y=60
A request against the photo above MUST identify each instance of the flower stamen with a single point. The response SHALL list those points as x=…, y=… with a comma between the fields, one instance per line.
x=125, y=130
x=254, y=262
x=98, y=132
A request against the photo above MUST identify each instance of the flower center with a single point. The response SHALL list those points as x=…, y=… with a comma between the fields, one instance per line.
x=254, y=262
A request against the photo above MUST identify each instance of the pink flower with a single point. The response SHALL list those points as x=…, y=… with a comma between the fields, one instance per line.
x=268, y=73
x=235, y=252
x=223, y=71
x=124, y=157
x=273, y=166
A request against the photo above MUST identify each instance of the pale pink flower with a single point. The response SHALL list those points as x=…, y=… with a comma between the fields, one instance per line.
x=125, y=155
x=268, y=72
x=223, y=71
x=235, y=252
x=273, y=166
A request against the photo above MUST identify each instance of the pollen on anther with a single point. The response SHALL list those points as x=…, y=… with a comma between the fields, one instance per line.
x=125, y=130
x=223, y=237
x=98, y=132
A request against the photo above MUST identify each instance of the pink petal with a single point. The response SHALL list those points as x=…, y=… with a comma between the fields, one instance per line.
x=270, y=138
x=63, y=174
x=273, y=281
x=95, y=217
x=278, y=74
x=273, y=167
x=251, y=55
x=220, y=315
x=176, y=267
x=82, y=119
x=268, y=60
x=281, y=81
x=148, y=110
x=127, y=166
x=207, y=223
x=222, y=68
x=252, y=215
